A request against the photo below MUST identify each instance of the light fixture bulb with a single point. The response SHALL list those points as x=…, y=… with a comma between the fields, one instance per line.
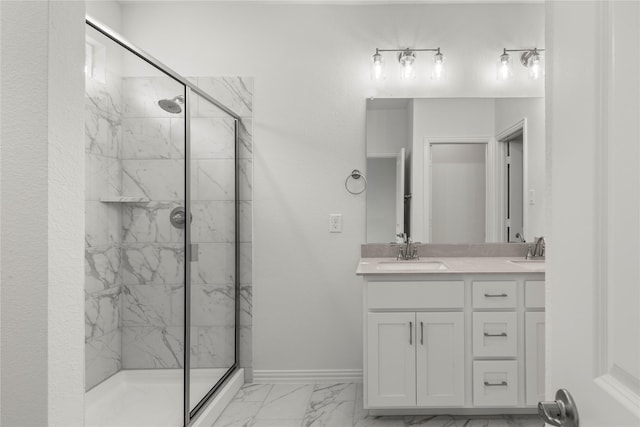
x=535, y=66
x=438, y=66
x=505, y=66
x=377, y=67
x=407, y=59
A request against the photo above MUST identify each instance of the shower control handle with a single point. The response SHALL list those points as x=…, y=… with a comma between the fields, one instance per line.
x=177, y=217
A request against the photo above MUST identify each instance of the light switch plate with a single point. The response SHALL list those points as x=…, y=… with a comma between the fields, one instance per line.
x=335, y=223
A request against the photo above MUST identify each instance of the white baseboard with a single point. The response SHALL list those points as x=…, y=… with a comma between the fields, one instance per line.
x=307, y=376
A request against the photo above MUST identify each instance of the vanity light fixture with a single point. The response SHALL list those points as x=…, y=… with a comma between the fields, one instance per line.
x=377, y=67
x=406, y=58
x=530, y=59
x=438, y=66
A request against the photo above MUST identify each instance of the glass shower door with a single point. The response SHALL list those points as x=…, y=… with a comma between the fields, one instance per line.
x=135, y=282
x=212, y=236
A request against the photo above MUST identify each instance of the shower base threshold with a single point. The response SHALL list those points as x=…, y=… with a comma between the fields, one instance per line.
x=149, y=397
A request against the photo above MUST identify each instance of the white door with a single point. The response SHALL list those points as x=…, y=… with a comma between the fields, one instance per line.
x=515, y=189
x=458, y=192
x=440, y=359
x=400, y=177
x=391, y=367
x=593, y=263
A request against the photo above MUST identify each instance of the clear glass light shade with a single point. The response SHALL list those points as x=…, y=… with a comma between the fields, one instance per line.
x=407, y=60
x=438, y=67
x=505, y=67
x=377, y=67
x=535, y=66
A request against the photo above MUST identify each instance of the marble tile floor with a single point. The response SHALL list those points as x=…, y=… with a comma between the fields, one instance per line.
x=335, y=405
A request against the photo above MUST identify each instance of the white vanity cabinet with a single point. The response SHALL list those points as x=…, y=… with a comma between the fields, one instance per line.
x=461, y=342
x=415, y=359
x=534, y=341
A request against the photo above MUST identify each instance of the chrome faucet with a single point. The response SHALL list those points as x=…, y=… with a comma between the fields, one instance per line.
x=409, y=251
x=521, y=237
x=536, y=250
x=539, y=248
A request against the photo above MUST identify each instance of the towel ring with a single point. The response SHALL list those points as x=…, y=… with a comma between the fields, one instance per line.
x=355, y=174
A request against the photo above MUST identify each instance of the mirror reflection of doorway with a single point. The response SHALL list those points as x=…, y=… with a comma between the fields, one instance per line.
x=514, y=188
x=458, y=192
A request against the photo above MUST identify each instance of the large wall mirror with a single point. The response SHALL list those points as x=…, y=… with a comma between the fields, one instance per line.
x=455, y=170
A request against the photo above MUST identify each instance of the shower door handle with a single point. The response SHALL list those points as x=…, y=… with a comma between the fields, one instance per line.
x=193, y=252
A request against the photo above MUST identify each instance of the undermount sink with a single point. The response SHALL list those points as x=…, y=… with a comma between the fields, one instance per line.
x=529, y=264
x=411, y=265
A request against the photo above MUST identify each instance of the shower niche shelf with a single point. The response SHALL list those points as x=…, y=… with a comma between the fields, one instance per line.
x=123, y=199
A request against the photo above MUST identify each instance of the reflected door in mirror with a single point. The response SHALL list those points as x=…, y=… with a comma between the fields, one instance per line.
x=458, y=193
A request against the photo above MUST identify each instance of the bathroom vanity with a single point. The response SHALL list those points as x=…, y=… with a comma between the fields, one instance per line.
x=456, y=335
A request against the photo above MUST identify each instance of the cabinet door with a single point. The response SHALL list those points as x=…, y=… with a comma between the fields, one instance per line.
x=391, y=363
x=440, y=359
x=534, y=357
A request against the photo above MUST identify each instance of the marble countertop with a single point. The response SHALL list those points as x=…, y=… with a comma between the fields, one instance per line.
x=454, y=265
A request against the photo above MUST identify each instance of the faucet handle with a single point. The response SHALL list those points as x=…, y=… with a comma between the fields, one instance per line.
x=402, y=236
x=529, y=254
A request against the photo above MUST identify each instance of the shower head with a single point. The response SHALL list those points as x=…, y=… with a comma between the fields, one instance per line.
x=172, y=105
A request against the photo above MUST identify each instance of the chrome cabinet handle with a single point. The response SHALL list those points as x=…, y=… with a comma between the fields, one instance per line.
x=495, y=295
x=502, y=334
x=410, y=333
x=421, y=333
x=560, y=412
x=500, y=384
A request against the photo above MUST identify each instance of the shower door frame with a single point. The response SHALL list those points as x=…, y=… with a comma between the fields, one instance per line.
x=190, y=89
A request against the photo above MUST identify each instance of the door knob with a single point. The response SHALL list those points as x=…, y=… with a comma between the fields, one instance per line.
x=561, y=412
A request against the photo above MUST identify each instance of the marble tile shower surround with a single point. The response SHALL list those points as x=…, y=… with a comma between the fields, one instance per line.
x=143, y=257
x=103, y=136
x=390, y=250
x=336, y=405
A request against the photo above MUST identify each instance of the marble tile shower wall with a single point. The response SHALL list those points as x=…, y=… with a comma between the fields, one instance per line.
x=147, y=251
x=237, y=94
x=103, y=229
x=152, y=256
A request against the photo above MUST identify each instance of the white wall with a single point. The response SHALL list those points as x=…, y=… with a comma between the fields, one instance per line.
x=42, y=214
x=387, y=129
x=108, y=13
x=311, y=69
x=510, y=111
x=381, y=197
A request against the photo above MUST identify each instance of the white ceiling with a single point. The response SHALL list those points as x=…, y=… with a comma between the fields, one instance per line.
x=355, y=2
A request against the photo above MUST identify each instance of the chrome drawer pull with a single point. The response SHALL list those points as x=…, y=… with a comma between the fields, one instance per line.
x=410, y=333
x=500, y=384
x=421, y=333
x=495, y=295
x=502, y=334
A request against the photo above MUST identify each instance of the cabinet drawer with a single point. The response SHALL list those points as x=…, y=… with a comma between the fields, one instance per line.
x=495, y=334
x=415, y=295
x=495, y=383
x=496, y=294
x=534, y=294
